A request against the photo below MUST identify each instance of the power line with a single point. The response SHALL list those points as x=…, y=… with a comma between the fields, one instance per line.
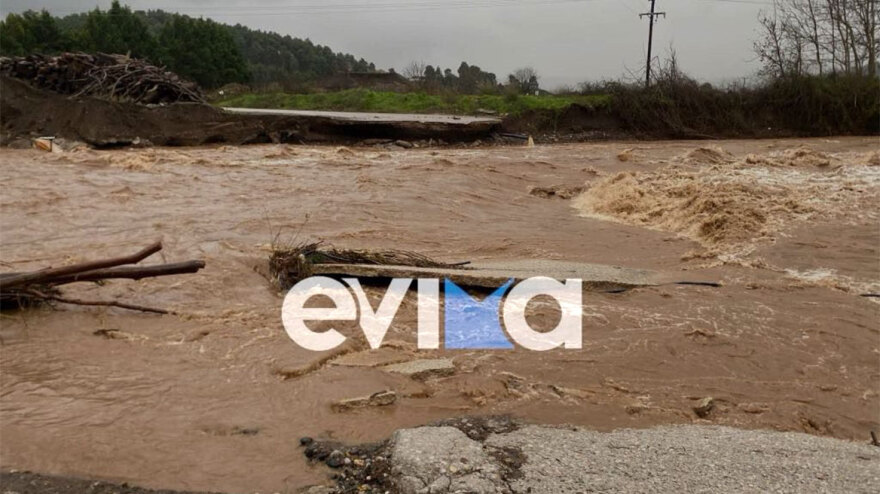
x=353, y=7
x=652, y=15
x=343, y=8
x=752, y=2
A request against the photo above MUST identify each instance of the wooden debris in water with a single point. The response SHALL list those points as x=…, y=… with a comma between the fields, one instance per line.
x=19, y=290
x=291, y=264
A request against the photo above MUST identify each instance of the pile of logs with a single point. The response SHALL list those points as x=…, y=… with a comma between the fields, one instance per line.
x=18, y=290
x=112, y=77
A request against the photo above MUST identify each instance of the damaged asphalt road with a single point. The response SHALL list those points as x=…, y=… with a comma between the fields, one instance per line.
x=496, y=455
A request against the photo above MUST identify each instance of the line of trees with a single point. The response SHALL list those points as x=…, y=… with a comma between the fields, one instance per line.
x=214, y=54
x=470, y=79
x=32, y=32
x=199, y=49
x=524, y=80
x=804, y=37
x=205, y=51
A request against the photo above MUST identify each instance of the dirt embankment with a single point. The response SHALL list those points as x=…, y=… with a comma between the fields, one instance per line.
x=30, y=112
x=573, y=124
x=683, y=109
x=33, y=483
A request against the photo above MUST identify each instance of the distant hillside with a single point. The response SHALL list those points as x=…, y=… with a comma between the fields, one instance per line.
x=272, y=57
x=208, y=52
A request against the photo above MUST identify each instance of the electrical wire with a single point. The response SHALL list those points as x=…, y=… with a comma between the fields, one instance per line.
x=372, y=7
x=354, y=7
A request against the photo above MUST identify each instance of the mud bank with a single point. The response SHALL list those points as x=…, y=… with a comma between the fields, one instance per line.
x=30, y=112
x=33, y=483
x=575, y=123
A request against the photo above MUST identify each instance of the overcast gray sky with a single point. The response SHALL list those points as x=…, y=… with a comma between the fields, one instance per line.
x=567, y=41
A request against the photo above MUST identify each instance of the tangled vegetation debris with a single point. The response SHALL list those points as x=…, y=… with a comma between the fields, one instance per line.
x=111, y=77
x=19, y=290
x=287, y=265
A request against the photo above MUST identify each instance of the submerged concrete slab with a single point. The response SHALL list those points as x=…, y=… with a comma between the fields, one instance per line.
x=372, y=358
x=362, y=117
x=596, y=277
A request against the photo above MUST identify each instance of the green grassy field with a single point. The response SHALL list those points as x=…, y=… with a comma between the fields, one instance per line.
x=390, y=102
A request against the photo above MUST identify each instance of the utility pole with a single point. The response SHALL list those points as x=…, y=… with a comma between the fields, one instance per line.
x=652, y=15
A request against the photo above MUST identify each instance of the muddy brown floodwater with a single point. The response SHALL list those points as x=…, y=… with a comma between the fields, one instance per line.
x=216, y=398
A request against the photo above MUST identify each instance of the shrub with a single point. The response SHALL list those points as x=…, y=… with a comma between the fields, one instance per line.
x=678, y=106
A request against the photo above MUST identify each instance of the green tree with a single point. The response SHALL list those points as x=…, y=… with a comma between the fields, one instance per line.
x=472, y=79
x=31, y=32
x=272, y=57
x=524, y=80
x=201, y=50
x=210, y=53
x=117, y=30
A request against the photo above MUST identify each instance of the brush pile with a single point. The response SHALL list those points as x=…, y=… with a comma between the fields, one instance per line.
x=288, y=265
x=19, y=290
x=111, y=77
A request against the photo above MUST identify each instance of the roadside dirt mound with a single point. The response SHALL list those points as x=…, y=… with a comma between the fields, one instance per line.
x=731, y=203
x=27, y=112
x=574, y=123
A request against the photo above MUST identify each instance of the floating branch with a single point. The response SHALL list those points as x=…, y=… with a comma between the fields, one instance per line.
x=19, y=290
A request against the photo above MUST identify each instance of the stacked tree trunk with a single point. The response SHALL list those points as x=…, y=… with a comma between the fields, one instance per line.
x=112, y=77
x=18, y=290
